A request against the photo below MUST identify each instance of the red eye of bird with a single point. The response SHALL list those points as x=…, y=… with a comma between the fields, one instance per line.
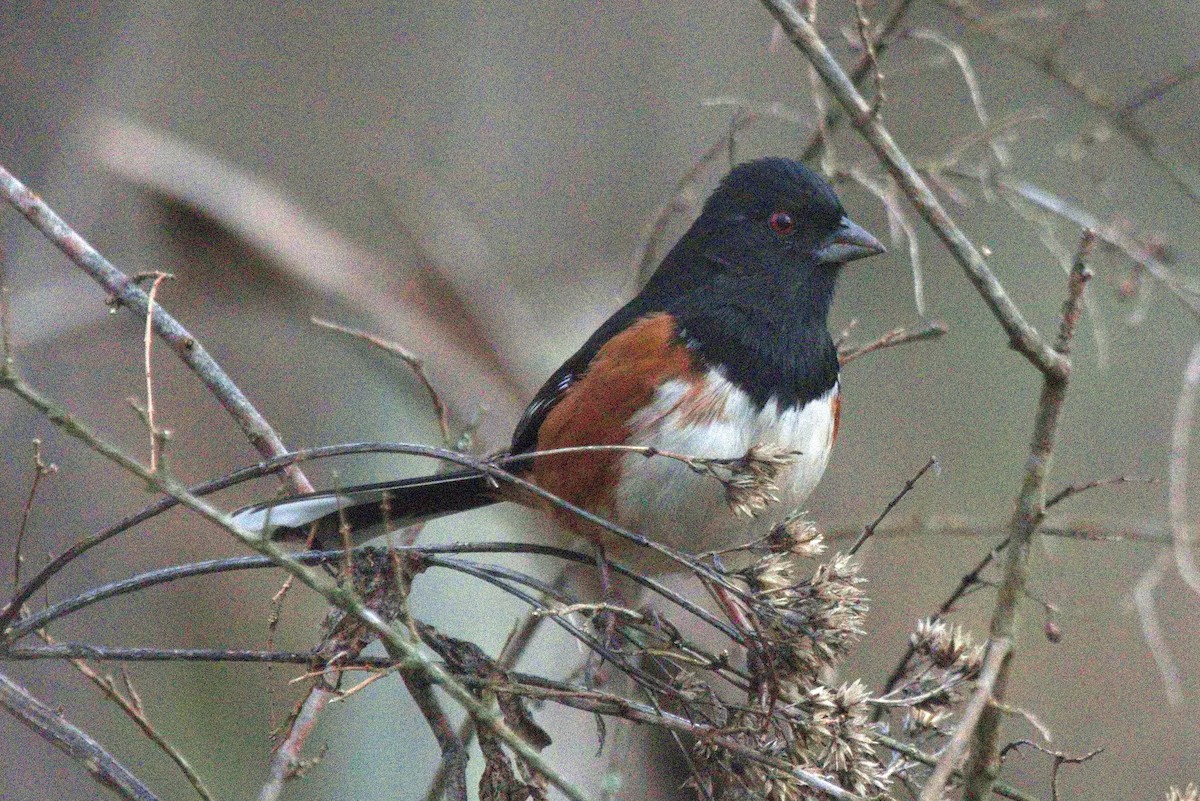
x=782, y=223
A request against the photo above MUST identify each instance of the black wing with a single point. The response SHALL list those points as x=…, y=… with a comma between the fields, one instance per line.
x=525, y=435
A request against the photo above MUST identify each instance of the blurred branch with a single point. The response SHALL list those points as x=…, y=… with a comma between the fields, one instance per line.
x=264, y=215
x=1119, y=115
x=646, y=257
x=1137, y=251
x=1181, y=521
x=126, y=292
x=52, y=727
x=1152, y=630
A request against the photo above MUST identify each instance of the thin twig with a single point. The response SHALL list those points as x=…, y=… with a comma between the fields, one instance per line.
x=51, y=726
x=411, y=359
x=157, y=437
x=880, y=41
x=908, y=486
x=867, y=40
x=131, y=705
x=169, y=574
x=1071, y=490
x=286, y=758
x=1077, y=280
x=109, y=653
x=917, y=755
x=41, y=469
x=897, y=336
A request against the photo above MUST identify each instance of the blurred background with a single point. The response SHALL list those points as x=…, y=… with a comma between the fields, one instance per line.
x=472, y=180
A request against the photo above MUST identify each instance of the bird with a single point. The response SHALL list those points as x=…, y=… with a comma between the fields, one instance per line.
x=726, y=348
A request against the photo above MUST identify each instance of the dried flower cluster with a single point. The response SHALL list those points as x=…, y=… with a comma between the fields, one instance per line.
x=751, y=485
x=941, y=676
x=806, y=625
x=796, y=535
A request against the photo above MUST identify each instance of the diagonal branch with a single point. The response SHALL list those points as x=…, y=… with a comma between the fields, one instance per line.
x=1022, y=336
x=125, y=291
x=72, y=741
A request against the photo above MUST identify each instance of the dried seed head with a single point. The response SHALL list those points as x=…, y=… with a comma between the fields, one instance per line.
x=796, y=535
x=806, y=624
x=751, y=485
x=920, y=718
x=946, y=646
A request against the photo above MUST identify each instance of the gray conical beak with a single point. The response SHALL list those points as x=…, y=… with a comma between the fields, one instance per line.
x=849, y=242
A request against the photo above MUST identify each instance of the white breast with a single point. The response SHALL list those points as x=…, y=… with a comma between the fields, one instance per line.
x=665, y=500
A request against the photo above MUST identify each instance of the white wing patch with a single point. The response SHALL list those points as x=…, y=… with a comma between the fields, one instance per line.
x=665, y=500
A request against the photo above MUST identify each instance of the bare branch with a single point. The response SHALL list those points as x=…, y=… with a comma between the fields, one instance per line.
x=126, y=292
x=51, y=726
x=286, y=758
x=344, y=599
x=897, y=336
x=1152, y=630
x=1181, y=522
x=1031, y=509
x=1023, y=336
x=131, y=705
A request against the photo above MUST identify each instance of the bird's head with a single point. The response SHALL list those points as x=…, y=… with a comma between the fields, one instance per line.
x=775, y=217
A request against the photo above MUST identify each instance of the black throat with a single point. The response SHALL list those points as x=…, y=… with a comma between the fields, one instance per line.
x=770, y=338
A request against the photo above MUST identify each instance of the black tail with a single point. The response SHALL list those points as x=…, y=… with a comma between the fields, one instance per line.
x=368, y=510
